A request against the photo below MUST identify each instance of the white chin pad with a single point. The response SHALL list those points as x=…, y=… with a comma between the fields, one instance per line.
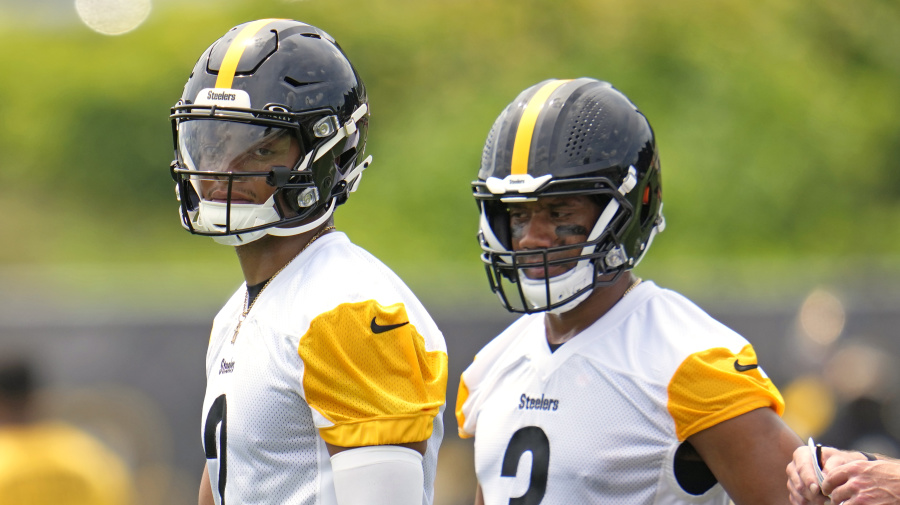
x=561, y=287
x=212, y=216
x=378, y=475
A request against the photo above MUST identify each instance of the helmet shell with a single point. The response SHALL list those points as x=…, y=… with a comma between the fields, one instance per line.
x=285, y=62
x=286, y=74
x=571, y=137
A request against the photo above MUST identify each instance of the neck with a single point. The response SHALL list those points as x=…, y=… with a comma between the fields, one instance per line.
x=560, y=328
x=262, y=258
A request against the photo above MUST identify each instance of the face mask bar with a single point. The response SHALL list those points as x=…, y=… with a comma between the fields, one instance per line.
x=501, y=285
x=280, y=177
x=270, y=115
x=226, y=145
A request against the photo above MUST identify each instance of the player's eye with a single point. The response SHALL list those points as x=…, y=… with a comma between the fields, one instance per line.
x=517, y=216
x=263, y=152
x=561, y=214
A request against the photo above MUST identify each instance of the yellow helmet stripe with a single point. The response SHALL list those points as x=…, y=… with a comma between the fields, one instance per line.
x=233, y=55
x=522, y=145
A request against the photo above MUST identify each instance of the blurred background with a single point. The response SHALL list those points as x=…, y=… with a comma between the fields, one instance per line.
x=779, y=135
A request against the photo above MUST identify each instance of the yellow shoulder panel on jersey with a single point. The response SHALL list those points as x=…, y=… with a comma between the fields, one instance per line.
x=716, y=385
x=461, y=398
x=367, y=370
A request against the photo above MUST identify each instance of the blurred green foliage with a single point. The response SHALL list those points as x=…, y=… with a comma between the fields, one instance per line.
x=777, y=122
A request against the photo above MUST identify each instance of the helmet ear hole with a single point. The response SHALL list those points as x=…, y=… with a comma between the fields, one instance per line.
x=498, y=219
x=193, y=199
x=345, y=159
x=601, y=200
x=289, y=197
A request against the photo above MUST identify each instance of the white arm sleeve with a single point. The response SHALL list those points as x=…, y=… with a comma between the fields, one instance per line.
x=378, y=475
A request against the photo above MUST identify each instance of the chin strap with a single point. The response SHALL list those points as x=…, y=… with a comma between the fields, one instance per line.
x=303, y=228
x=354, y=176
x=352, y=179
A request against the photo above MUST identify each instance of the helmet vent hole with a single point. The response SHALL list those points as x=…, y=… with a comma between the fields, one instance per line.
x=582, y=133
x=294, y=82
x=488, y=148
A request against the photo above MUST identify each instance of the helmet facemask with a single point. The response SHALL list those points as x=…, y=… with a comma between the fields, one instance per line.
x=220, y=159
x=598, y=261
x=560, y=138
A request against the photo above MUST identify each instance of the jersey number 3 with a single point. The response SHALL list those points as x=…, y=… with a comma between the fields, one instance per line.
x=529, y=438
x=217, y=414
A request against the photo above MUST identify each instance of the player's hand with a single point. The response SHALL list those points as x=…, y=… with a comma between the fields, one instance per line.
x=803, y=486
x=862, y=482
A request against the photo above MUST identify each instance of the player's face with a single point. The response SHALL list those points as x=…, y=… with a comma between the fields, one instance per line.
x=551, y=222
x=222, y=146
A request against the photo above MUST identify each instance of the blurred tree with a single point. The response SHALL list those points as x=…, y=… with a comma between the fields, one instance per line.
x=776, y=124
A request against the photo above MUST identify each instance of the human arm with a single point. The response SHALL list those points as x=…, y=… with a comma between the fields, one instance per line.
x=206, y=496
x=378, y=475
x=375, y=395
x=748, y=454
x=479, y=495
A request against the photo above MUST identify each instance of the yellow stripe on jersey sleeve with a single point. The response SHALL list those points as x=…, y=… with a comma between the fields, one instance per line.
x=461, y=398
x=709, y=387
x=367, y=371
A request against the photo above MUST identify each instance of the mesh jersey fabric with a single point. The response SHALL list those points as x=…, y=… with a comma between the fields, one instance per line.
x=600, y=419
x=335, y=349
x=53, y=462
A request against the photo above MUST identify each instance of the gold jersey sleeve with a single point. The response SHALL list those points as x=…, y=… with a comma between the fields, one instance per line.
x=716, y=385
x=461, y=396
x=370, y=373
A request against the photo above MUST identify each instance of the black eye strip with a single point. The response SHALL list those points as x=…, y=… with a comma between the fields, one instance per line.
x=569, y=230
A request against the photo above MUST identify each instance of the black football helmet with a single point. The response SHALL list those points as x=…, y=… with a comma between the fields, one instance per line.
x=562, y=138
x=268, y=82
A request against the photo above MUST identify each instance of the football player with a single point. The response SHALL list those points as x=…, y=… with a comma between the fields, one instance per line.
x=43, y=461
x=325, y=375
x=607, y=389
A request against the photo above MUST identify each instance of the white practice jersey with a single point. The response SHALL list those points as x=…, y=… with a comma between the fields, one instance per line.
x=335, y=349
x=600, y=419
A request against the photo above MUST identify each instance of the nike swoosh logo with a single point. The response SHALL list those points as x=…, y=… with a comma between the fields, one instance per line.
x=744, y=368
x=377, y=328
